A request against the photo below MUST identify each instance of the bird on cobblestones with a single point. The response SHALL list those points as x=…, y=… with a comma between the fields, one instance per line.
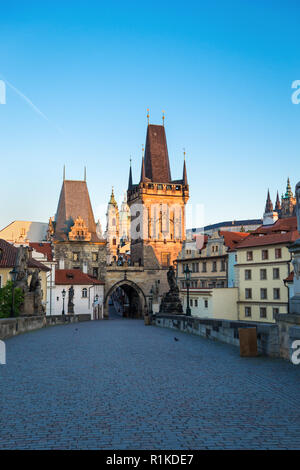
x=176, y=339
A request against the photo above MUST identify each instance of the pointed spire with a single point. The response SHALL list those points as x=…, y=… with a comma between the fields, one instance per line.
x=289, y=192
x=130, y=176
x=112, y=198
x=184, y=177
x=143, y=175
x=269, y=204
x=278, y=204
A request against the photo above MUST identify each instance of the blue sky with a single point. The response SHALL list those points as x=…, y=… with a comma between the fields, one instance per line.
x=222, y=71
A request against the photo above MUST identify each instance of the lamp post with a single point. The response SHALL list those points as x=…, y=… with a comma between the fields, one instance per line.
x=13, y=273
x=187, y=273
x=151, y=300
x=63, y=293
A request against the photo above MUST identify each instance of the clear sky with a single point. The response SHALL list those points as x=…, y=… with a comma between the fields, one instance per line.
x=221, y=70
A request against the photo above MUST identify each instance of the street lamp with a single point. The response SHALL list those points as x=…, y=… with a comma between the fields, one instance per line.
x=63, y=293
x=187, y=273
x=151, y=300
x=13, y=273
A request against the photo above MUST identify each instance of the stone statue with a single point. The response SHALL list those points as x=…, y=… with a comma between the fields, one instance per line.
x=35, y=290
x=22, y=269
x=172, y=280
x=297, y=195
x=70, y=300
x=35, y=281
x=171, y=303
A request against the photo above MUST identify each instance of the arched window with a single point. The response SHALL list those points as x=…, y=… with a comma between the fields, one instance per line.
x=84, y=292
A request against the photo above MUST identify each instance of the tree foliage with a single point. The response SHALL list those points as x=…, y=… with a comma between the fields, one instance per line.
x=6, y=300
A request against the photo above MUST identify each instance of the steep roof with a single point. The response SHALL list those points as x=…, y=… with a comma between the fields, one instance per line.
x=74, y=277
x=74, y=201
x=8, y=257
x=157, y=165
x=44, y=248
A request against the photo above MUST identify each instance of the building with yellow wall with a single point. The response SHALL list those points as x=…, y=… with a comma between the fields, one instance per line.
x=263, y=263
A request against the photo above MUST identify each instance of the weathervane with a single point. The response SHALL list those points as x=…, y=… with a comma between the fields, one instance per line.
x=148, y=116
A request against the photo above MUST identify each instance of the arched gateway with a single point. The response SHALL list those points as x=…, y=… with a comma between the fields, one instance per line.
x=137, y=303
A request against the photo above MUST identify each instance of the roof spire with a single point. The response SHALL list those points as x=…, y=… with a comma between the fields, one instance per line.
x=143, y=175
x=112, y=198
x=289, y=192
x=184, y=177
x=163, y=118
x=148, y=116
x=277, y=205
x=269, y=204
x=130, y=176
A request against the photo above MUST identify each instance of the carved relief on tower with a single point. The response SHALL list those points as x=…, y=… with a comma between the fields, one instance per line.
x=79, y=231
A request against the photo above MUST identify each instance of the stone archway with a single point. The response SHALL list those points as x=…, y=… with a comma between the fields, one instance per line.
x=137, y=298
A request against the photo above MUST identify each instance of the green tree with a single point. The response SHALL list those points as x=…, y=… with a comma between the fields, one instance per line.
x=6, y=300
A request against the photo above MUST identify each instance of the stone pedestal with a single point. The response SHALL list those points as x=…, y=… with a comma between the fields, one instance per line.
x=171, y=303
x=28, y=305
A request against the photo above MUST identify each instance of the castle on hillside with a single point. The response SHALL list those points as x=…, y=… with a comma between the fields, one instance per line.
x=283, y=209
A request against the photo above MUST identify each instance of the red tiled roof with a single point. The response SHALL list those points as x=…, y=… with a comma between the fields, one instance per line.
x=8, y=256
x=282, y=225
x=231, y=239
x=269, y=239
x=74, y=276
x=44, y=248
x=290, y=277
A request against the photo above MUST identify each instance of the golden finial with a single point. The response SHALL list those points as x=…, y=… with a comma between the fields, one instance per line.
x=143, y=150
x=163, y=118
x=148, y=116
x=184, y=154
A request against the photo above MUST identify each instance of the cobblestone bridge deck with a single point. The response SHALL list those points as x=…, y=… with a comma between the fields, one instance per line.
x=120, y=385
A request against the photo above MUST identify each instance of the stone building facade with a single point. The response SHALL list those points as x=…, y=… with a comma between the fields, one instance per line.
x=157, y=206
x=73, y=232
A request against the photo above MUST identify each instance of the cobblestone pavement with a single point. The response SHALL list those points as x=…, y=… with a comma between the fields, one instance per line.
x=118, y=384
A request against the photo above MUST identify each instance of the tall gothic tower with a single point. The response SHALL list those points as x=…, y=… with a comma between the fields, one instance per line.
x=157, y=206
x=112, y=229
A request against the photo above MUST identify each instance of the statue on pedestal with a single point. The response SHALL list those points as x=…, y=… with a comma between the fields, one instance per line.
x=70, y=300
x=171, y=302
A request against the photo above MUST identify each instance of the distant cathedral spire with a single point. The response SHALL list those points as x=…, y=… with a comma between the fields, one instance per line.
x=277, y=205
x=289, y=192
x=269, y=204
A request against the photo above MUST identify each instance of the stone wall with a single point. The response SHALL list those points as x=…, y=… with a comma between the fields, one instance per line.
x=64, y=251
x=223, y=330
x=14, y=326
x=289, y=331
